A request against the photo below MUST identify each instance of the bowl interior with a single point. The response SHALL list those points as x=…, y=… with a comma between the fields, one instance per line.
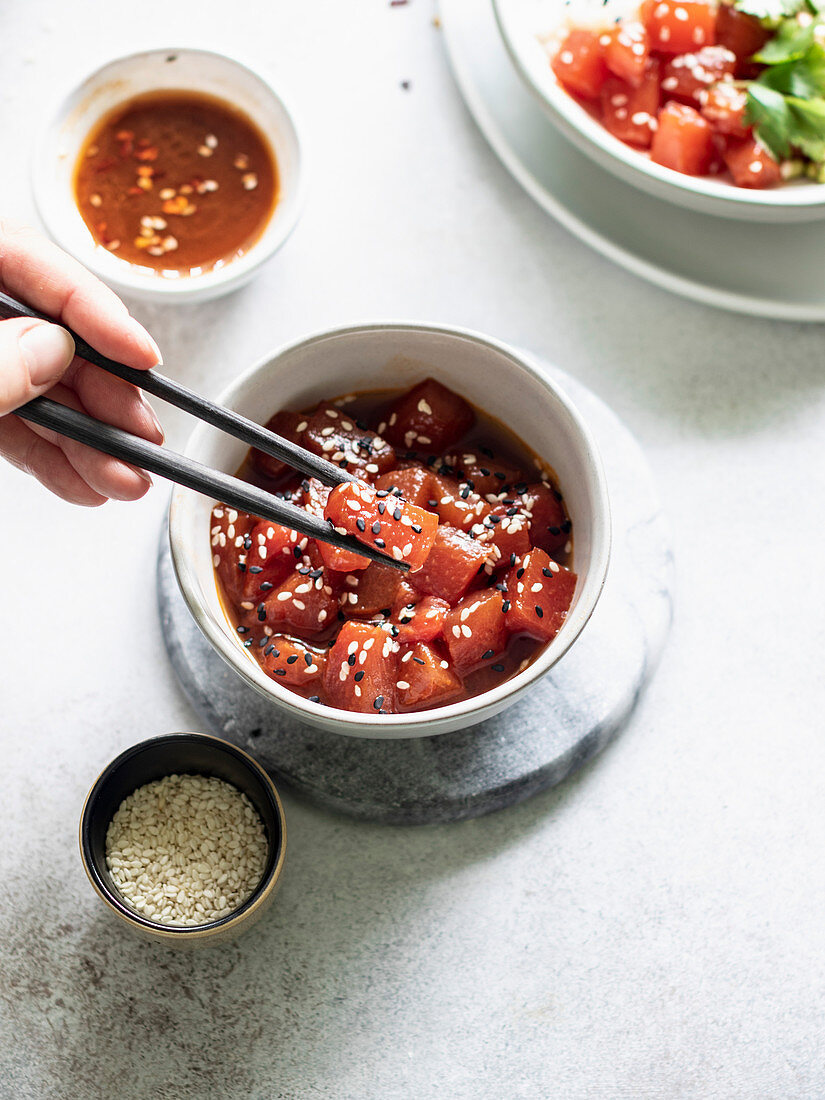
x=530, y=27
x=121, y=80
x=150, y=760
x=394, y=356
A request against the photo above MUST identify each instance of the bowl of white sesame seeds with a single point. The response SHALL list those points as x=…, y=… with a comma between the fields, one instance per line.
x=131, y=203
x=184, y=837
x=373, y=358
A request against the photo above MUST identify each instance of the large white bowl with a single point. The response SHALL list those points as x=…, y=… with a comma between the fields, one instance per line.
x=530, y=27
x=58, y=145
x=395, y=355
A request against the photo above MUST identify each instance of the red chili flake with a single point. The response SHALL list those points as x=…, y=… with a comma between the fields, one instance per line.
x=134, y=191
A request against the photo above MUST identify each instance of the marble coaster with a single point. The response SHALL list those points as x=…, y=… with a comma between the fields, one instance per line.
x=570, y=715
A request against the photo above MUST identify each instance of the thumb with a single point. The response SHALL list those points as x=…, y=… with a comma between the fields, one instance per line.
x=32, y=358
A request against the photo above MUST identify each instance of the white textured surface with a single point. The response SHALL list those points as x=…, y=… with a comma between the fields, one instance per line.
x=651, y=928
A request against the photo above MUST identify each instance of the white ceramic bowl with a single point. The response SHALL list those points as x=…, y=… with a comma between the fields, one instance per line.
x=58, y=145
x=388, y=356
x=530, y=27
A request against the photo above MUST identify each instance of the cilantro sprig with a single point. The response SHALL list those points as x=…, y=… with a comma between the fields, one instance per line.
x=786, y=102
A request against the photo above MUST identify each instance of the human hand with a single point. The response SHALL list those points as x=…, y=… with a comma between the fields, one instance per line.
x=37, y=358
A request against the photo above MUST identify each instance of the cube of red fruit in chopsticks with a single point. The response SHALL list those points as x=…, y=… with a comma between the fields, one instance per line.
x=429, y=417
x=362, y=669
x=539, y=594
x=377, y=518
x=292, y=662
x=314, y=499
x=453, y=562
x=476, y=629
x=426, y=678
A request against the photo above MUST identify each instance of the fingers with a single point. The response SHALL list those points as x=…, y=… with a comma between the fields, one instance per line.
x=35, y=455
x=33, y=356
x=44, y=277
x=111, y=399
x=106, y=476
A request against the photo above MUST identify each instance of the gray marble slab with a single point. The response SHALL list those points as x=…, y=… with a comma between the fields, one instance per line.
x=570, y=715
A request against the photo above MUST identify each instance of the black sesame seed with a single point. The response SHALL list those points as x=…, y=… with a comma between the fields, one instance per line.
x=548, y=573
x=505, y=607
x=243, y=629
x=486, y=451
x=359, y=676
x=378, y=702
x=305, y=485
x=485, y=472
x=520, y=572
x=315, y=698
x=554, y=530
x=512, y=559
x=521, y=488
x=242, y=566
x=396, y=515
x=382, y=492
x=497, y=668
x=376, y=528
x=247, y=643
x=270, y=649
x=539, y=612
x=381, y=508
x=500, y=475
x=494, y=519
x=486, y=656
x=265, y=586
x=256, y=569
x=292, y=658
x=263, y=642
x=566, y=527
x=308, y=658
x=419, y=660
x=262, y=614
x=279, y=671
x=360, y=524
x=297, y=553
x=351, y=660
x=380, y=544
x=416, y=528
x=432, y=503
x=341, y=619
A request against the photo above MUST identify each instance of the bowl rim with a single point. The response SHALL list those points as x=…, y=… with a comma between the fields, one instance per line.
x=423, y=723
x=258, y=896
x=594, y=139
x=124, y=277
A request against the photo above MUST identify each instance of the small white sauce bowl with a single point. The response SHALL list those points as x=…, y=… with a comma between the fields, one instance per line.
x=396, y=355
x=60, y=142
x=531, y=30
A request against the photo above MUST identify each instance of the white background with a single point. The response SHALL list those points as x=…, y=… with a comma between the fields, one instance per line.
x=654, y=927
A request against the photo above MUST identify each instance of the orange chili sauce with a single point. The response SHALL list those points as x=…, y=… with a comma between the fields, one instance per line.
x=177, y=182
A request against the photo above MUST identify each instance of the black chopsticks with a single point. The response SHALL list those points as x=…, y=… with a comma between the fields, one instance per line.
x=189, y=401
x=187, y=471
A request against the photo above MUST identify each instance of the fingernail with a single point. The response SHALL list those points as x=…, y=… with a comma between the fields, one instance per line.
x=146, y=341
x=47, y=350
x=153, y=416
x=144, y=475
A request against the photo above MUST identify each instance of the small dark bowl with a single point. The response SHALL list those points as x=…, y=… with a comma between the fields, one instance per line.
x=182, y=753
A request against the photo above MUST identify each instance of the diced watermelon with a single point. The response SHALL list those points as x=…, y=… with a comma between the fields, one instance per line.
x=751, y=165
x=683, y=140
x=679, y=26
x=626, y=51
x=314, y=500
x=485, y=473
x=506, y=536
x=292, y=662
x=476, y=629
x=688, y=75
x=724, y=106
x=401, y=530
x=549, y=525
x=629, y=112
x=429, y=417
x=741, y=34
x=306, y=603
x=579, y=64
x=413, y=483
x=373, y=592
x=423, y=621
x=285, y=424
x=229, y=536
x=456, y=504
x=333, y=435
x=362, y=669
x=270, y=557
x=539, y=593
x=454, y=560
x=428, y=677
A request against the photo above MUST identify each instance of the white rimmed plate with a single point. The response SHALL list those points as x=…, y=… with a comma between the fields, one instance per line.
x=768, y=270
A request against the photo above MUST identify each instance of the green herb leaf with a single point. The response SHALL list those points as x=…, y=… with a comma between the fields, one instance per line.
x=770, y=10
x=768, y=112
x=804, y=78
x=808, y=130
x=790, y=43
